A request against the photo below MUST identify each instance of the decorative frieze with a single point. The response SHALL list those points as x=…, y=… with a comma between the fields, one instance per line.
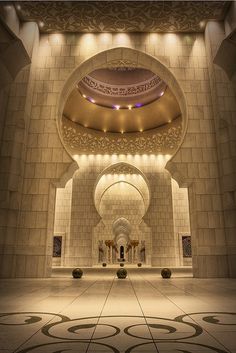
x=80, y=140
x=130, y=90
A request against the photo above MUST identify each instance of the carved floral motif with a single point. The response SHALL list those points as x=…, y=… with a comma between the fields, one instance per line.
x=122, y=168
x=122, y=16
x=81, y=140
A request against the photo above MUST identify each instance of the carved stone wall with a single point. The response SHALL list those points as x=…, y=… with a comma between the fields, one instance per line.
x=123, y=16
x=181, y=61
x=79, y=140
x=122, y=198
x=224, y=107
x=62, y=220
x=181, y=219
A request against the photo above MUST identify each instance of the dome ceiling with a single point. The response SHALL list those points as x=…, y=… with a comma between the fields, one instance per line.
x=121, y=100
x=122, y=87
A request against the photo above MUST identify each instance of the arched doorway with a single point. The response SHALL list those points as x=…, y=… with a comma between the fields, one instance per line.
x=155, y=144
x=122, y=253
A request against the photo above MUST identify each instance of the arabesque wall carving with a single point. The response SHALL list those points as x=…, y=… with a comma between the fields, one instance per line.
x=79, y=140
x=122, y=16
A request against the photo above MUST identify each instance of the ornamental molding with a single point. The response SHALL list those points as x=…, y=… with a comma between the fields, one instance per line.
x=121, y=65
x=121, y=225
x=131, y=90
x=122, y=168
x=122, y=68
x=81, y=140
x=121, y=16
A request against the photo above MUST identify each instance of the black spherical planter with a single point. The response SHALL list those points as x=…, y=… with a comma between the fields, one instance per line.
x=104, y=264
x=166, y=273
x=121, y=273
x=77, y=273
x=139, y=264
x=122, y=264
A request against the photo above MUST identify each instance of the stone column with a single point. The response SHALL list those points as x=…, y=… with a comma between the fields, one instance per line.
x=84, y=218
x=224, y=108
x=159, y=218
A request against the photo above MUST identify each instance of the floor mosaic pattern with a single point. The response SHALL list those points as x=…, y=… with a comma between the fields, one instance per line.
x=100, y=313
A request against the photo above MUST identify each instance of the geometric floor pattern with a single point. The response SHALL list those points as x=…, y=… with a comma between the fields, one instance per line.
x=100, y=313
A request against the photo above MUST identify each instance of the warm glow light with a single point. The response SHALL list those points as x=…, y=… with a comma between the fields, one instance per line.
x=169, y=121
x=145, y=156
x=202, y=24
x=7, y=7
x=105, y=37
x=57, y=38
x=106, y=157
x=153, y=37
x=156, y=160
x=137, y=158
x=129, y=157
x=18, y=7
x=87, y=42
x=91, y=100
x=161, y=94
x=41, y=24
x=90, y=157
x=84, y=96
x=130, y=107
x=171, y=38
x=117, y=107
x=121, y=39
x=141, y=130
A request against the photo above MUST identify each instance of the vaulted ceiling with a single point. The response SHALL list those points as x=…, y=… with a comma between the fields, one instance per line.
x=121, y=16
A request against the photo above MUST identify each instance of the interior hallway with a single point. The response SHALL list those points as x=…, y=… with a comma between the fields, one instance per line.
x=100, y=313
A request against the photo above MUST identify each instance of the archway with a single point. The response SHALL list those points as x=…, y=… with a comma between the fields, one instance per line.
x=97, y=150
x=76, y=138
x=121, y=197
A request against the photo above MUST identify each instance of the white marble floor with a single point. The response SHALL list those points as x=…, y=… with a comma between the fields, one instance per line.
x=101, y=313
